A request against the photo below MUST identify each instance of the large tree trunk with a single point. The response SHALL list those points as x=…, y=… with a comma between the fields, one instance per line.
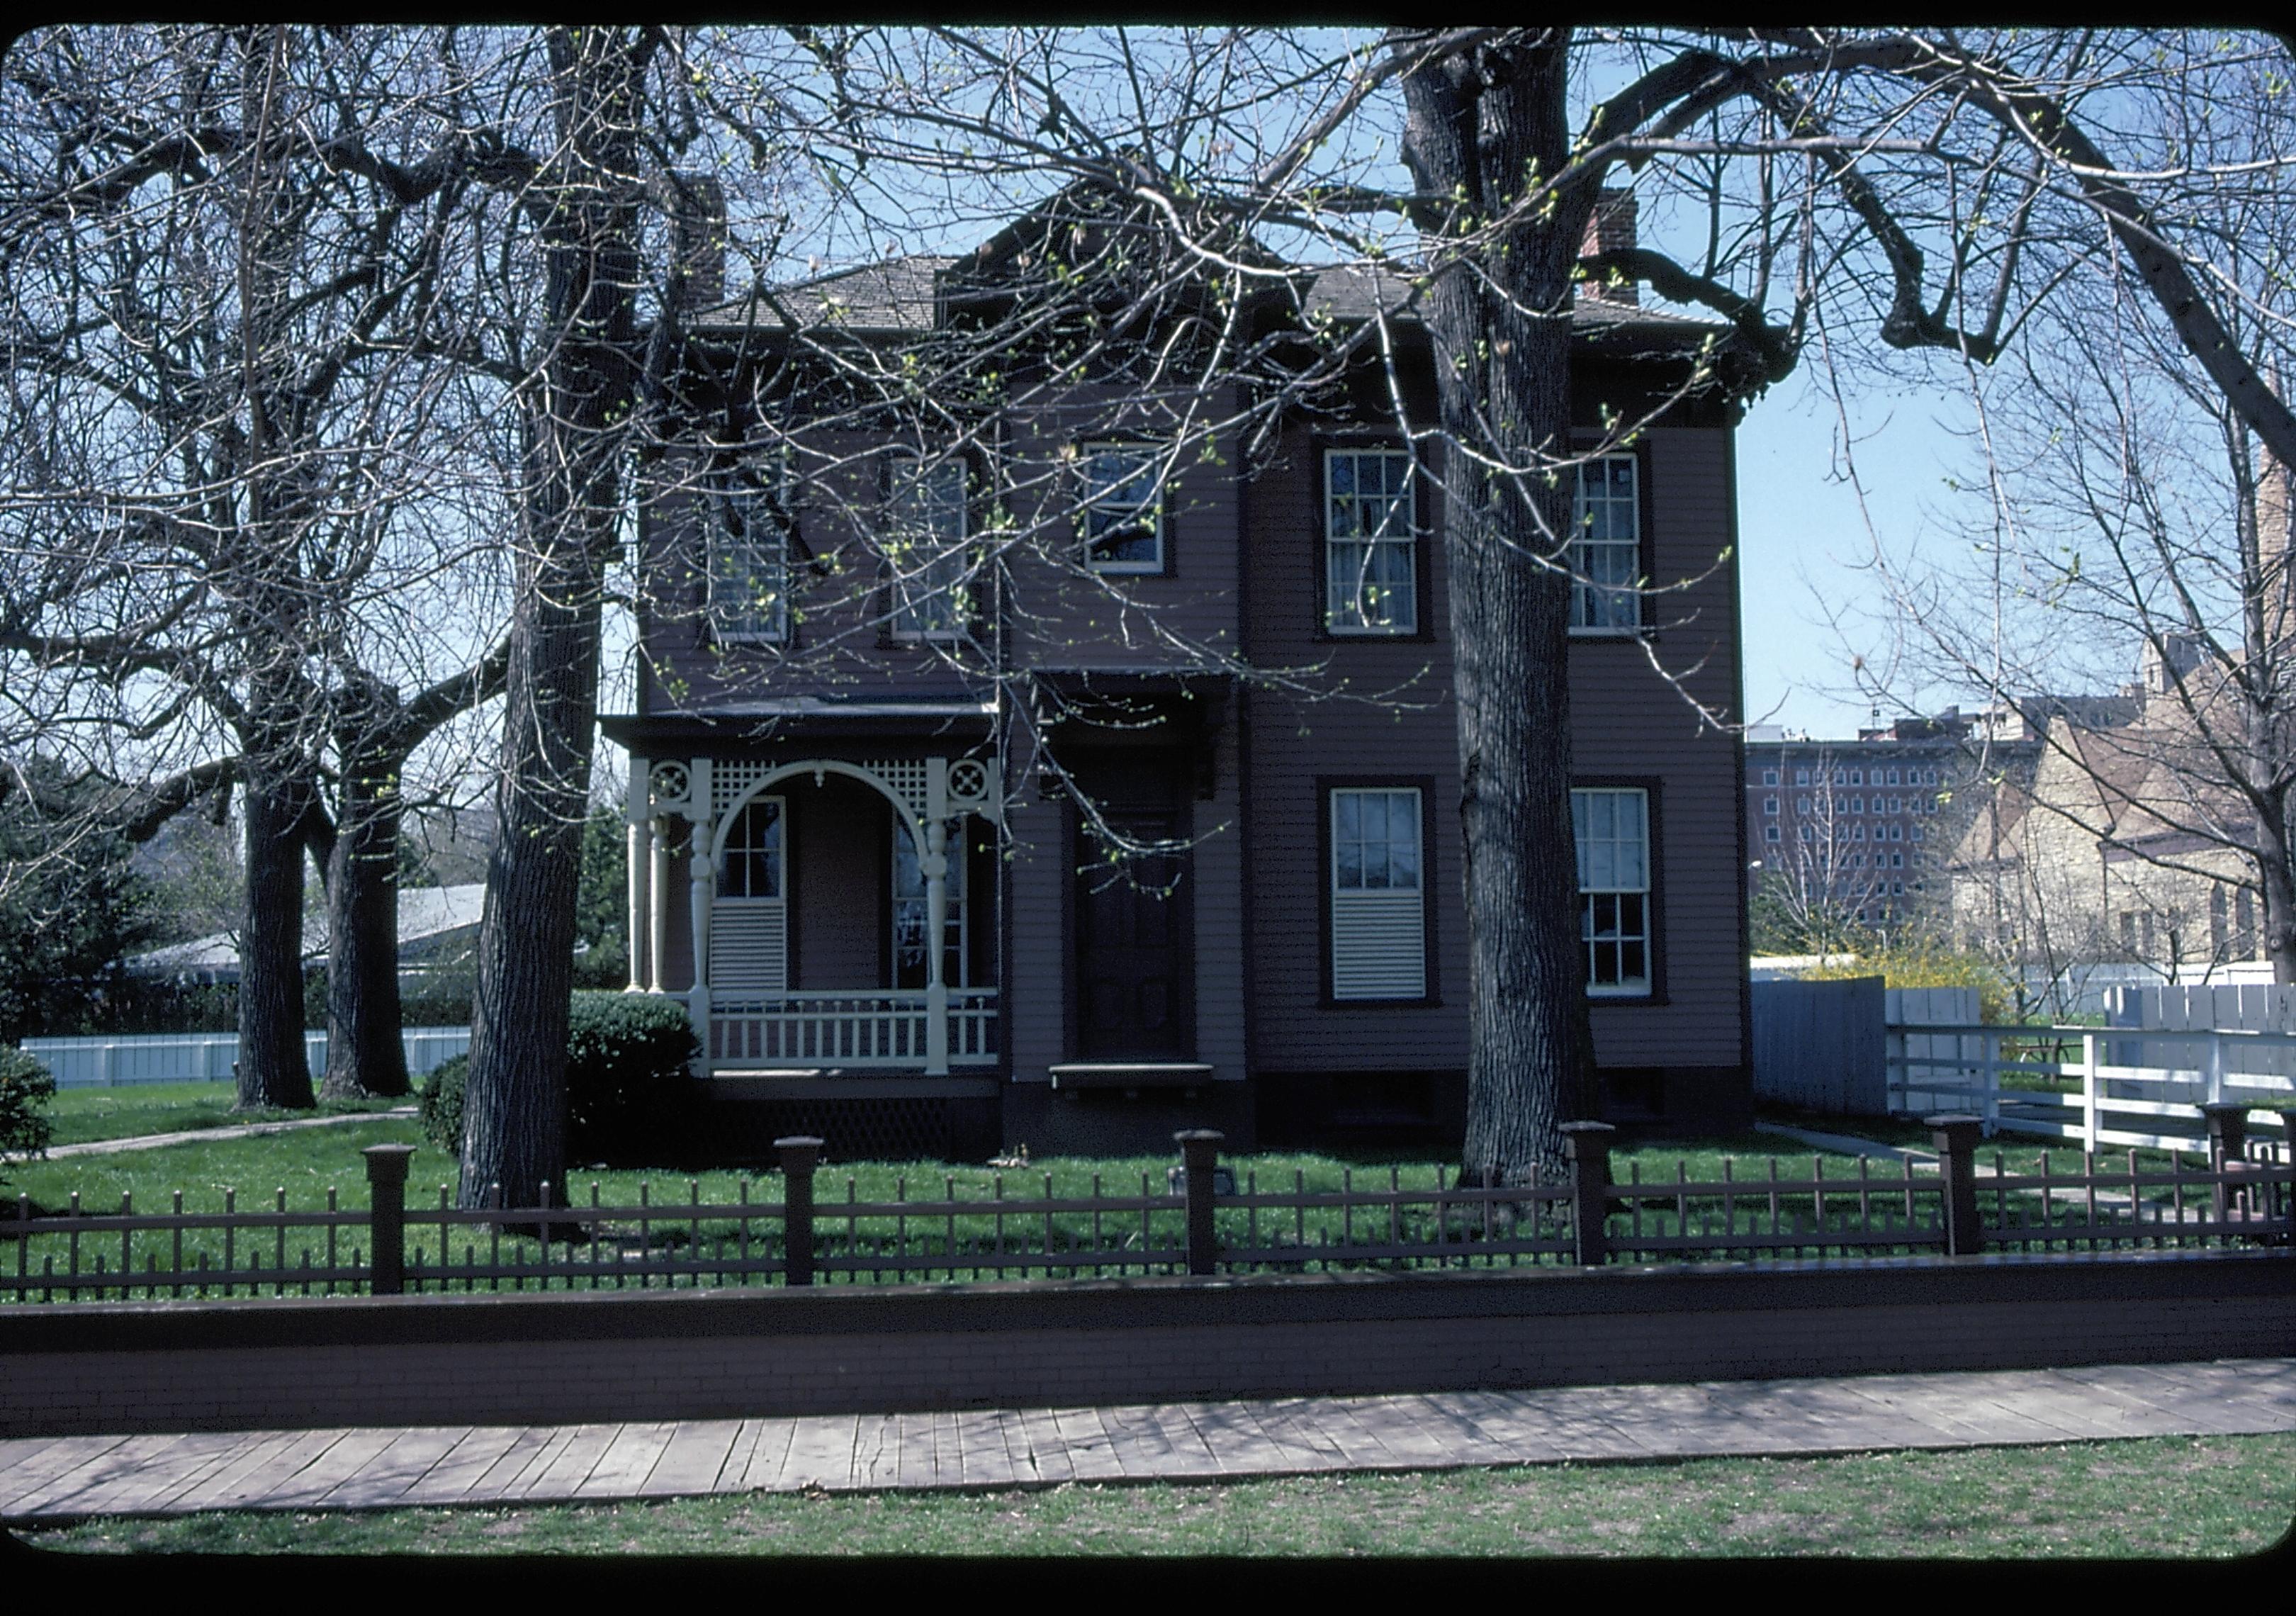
x=514, y=1107
x=273, y=1073
x=1477, y=124
x=269, y=607
x=2279, y=884
x=366, y=1050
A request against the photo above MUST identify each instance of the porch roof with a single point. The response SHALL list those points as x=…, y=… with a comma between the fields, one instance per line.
x=789, y=717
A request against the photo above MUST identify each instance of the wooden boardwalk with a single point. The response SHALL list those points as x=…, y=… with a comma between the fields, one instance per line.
x=64, y=1478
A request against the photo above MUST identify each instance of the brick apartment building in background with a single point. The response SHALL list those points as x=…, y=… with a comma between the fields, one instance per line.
x=1857, y=830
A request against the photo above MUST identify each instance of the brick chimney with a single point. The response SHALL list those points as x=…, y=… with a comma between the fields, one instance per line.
x=1611, y=229
x=696, y=206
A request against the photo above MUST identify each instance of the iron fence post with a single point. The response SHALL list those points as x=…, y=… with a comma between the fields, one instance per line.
x=800, y=1154
x=1588, y=1146
x=1199, y=1149
x=385, y=1192
x=1955, y=1137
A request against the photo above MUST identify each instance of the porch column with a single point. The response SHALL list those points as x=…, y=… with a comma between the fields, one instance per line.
x=639, y=817
x=703, y=888
x=935, y=865
x=658, y=905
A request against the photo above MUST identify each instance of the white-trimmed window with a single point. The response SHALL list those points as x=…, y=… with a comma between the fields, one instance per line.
x=1611, y=826
x=1770, y=832
x=930, y=562
x=749, y=559
x=1606, y=553
x=749, y=918
x=1371, y=564
x=1124, y=507
x=911, y=915
x=1379, y=932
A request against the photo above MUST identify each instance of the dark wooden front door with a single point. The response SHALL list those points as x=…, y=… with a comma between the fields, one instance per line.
x=1132, y=947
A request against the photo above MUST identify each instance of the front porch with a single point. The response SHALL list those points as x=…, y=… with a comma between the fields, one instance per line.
x=851, y=867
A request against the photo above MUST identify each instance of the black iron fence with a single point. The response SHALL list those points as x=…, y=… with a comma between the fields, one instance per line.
x=1201, y=1220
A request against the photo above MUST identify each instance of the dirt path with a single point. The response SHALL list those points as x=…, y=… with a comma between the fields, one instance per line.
x=244, y=1130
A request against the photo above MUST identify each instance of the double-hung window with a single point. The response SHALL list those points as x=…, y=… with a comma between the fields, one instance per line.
x=925, y=550
x=1124, y=507
x=1606, y=549
x=749, y=559
x=1379, y=934
x=1371, y=564
x=1612, y=827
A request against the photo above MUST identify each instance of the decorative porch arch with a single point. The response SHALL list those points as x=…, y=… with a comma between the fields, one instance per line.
x=817, y=768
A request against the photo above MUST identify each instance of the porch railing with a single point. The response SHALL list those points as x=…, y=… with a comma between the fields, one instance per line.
x=885, y=1029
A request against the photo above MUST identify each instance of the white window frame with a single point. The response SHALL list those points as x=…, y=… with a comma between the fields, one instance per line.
x=1599, y=604
x=749, y=931
x=742, y=502
x=1345, y=597
x=1616, y=865
x=947, y=573
x=1769, y=777
x=1102, y=501
x=1377, y=930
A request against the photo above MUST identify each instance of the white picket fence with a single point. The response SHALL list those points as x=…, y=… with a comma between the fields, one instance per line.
x=206, y=1057
x=2096, y=1086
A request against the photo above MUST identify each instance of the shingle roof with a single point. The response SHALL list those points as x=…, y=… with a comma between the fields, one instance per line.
x=897, y=295
x=903, y=295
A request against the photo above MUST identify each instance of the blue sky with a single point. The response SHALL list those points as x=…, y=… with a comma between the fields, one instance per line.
x=1808, y=547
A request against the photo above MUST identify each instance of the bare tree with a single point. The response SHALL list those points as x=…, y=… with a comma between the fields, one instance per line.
x=2132, y=519
x=233, y=435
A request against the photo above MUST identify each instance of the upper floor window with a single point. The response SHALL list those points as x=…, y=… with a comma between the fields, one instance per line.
x=1379, y=937
x=1606, y=553
x=1769, y=805
x=1769, y=777
x=1371, y=568
x=1124, y=507
x=748, y=560
x=1801, y=776
x=930, y=563
x=1612, y=830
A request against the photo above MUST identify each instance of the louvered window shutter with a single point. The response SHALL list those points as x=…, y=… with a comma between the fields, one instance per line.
x=1379, y=939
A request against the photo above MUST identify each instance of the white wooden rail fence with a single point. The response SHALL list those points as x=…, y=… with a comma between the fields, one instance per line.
x=205, y=1057
x=2089, y=1084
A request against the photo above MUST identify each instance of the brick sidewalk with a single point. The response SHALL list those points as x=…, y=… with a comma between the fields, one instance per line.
x=65, y=1478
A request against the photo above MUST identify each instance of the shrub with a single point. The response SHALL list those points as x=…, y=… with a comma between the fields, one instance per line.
x=627, y=1081
x=1921, y=961
x=25, y=1086
x=441, y=1104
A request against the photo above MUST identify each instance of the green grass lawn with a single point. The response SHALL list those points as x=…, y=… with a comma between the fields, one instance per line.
x=2210, y=1497
x=80, y=1115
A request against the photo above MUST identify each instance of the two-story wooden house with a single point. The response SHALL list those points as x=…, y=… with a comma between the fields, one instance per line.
x=1148, y=725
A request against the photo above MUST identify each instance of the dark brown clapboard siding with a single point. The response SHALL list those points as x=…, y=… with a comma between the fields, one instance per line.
x=1627, y=724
